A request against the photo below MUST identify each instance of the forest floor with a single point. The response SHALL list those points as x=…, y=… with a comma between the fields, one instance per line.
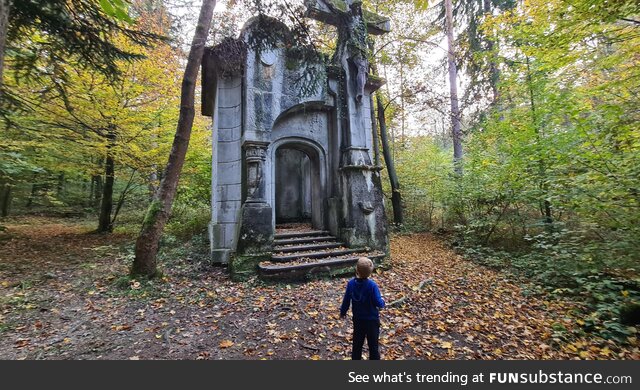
x=64, y=295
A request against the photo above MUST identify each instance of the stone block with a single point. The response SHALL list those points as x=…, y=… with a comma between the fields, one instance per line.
x=229, y=151
x=229, y=98
x=229, y=172
x=228, y=211
x=230, y=192
x=230, y=117
x=222, y=235
x=220, y=256
x=232, y=134
x=256, y=230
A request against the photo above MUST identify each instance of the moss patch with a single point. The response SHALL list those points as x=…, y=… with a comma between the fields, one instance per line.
x=152, y=213
x=245, y=266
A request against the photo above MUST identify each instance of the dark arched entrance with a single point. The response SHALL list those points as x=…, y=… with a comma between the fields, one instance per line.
x=298, y=185
x=293, y=186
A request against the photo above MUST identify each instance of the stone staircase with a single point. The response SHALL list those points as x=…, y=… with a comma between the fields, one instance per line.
x=301, y=253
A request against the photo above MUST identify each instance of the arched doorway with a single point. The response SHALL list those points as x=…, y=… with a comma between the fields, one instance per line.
x=298, y=183
x=293, y=186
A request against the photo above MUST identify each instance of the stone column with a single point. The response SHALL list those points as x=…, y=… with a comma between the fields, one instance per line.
x=256, y=232
x=255, y=157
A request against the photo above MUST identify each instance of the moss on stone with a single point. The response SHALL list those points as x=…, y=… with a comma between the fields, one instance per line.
x=242, y=267
x=373, y=17
x=339, y=4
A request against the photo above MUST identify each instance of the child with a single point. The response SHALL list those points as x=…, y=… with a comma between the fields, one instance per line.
x=364, y=295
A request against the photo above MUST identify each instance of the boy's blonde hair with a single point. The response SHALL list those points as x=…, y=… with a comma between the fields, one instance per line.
x=364, y=267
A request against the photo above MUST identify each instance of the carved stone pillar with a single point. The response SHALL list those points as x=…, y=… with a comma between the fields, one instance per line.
x=255, y=241
x=255, y=157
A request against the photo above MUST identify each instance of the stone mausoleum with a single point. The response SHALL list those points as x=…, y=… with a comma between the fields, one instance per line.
x=295, y=190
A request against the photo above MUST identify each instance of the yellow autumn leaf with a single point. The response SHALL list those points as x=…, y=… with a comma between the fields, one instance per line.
x=226, y=344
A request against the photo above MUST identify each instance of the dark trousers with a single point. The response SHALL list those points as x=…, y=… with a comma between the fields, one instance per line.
x=369, y=329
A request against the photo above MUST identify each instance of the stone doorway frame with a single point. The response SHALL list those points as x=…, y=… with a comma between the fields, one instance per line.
x=318, y=172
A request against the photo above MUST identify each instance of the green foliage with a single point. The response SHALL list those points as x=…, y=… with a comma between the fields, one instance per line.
x=552, y=171
x=81, y=32
x=188, y=219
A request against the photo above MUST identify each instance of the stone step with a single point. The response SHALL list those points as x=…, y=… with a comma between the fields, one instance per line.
x=307, y=248
x=309, y=233
x=304, y=270
x=303, y=240
x=312, y=255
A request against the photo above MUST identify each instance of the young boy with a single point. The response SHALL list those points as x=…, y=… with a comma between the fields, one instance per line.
x=364, y=296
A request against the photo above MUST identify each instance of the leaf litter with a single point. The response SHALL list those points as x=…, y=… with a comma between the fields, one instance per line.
x=62, y=296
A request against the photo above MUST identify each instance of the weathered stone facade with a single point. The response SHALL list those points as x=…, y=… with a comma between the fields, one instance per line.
x=281, y=153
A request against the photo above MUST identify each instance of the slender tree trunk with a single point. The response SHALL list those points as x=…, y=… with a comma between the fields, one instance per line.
x=158, y=213
x=453, y=87
x=122, y=198
x=542, y=166
x=396, y=196
x=374, y=131
x=153, y=179
x=494, y=73
x=5, y=8
x=5, y=202
x=90, y=200
x=402, y=106
x=34, y=190
x=97, y=194
x=104, y=221
x=61, y=182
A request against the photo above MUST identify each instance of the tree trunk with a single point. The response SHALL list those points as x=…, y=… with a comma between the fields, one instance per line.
x=90, y=200
x=402, y=106
x=5, y=199
x=61, y=182
x=153, y=179
x=123, y=197
x=34, y=191
x=453, y=87
x=97, y=192
x=542, y=166
x=396, y=196
x=494, y=73
x=158, y=212
x=104, y=221
x=5, y=8
x=374, y=131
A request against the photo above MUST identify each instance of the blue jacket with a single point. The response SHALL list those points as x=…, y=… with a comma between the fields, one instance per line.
x=364, y=295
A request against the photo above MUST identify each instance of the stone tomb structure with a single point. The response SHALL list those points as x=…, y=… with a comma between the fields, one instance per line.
x=293, y=142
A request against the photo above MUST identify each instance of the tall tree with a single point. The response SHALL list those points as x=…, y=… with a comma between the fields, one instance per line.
x=5, y=9
x=147, y=244
x=456, y=128
x=40, y=37
x=396, y=195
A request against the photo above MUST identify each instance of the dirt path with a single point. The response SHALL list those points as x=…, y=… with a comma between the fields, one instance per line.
x=63, y=296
